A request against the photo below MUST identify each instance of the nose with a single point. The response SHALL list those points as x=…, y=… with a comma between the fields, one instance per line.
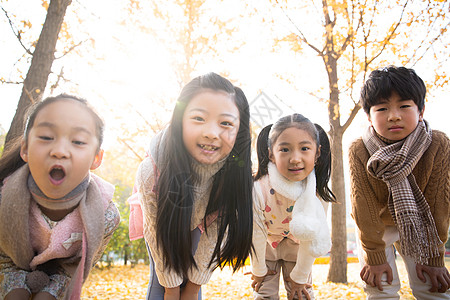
x=394, y=115
x=296, y=158
x=211, y=131
x=60, y=149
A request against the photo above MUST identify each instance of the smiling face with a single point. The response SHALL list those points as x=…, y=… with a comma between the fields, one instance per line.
x=294, y=153
x=395, y=118
x=62, y=147
x=210, y=126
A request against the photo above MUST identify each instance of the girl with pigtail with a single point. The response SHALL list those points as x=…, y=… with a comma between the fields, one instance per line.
x=291, y=196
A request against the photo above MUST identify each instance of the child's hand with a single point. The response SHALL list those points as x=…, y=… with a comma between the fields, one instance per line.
x=298, y=289
x=18, y=294
x=258, y=280
x=172, y=293
x=190, y=291
x=43, y=296
x=372, y=274
x=439, y=276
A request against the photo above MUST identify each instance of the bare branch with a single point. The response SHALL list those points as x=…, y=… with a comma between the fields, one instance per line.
x=301, y=36
x=9, y=82
x=353, y=113
x=131, y=148
x=386, y=41
x=55, y=85
x=431, y=43
x=71, y=49
x=17, y=34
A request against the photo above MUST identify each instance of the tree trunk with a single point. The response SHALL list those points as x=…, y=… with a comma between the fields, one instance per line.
x=40, y=68
x=125, y=255
x=338, y=257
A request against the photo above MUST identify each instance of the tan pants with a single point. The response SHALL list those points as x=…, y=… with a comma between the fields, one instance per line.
x=282, y=259
x=390, y=291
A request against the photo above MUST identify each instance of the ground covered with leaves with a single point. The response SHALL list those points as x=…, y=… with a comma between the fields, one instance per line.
x=125, y=282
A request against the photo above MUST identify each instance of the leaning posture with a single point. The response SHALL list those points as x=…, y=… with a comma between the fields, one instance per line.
x=400, y=188
x=56, y=218
x=291, y=197
x=195, y=189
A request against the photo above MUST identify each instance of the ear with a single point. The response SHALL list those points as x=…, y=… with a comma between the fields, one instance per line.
x=271, y=156
x=97, y=160
x=24, y=150
x=421, y=114
x=368, y=118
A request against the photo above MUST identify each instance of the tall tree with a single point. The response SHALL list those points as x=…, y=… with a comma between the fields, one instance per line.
x=352, y=38
x=41, y=63
x=194, y=32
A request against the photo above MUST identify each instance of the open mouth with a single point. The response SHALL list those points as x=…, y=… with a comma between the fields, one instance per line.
x=209, y=147
x=57, y=174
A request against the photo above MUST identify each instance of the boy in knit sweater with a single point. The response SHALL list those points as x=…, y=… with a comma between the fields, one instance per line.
x=400, y=189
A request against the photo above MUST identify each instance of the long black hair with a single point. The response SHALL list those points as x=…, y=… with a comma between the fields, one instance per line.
x=269, y=135
x=231, y=193
x=11, y=159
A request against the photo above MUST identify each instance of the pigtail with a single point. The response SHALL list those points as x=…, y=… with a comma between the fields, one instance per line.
x=262, y=149
x=323, y=167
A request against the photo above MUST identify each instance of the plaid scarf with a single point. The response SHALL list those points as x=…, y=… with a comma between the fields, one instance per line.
x=393, y=163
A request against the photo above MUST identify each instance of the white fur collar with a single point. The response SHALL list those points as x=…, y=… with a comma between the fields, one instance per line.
x=309, y=223
x=283, y=186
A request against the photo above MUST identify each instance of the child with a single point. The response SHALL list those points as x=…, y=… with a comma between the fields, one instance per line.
x=290, y=220
x=400, y=188
x=195, y=189
x=56, y=218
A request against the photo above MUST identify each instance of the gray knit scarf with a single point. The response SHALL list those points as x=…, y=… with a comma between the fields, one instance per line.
x=393, y=163
x=70, y=200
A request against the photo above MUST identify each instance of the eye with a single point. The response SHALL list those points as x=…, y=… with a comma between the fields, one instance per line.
x=45, y=138
x=284, y=150
x=79, y=143
x=227, y=124
x=198, y=118
x=305, y=148
x=381, y=109
x=405, y=106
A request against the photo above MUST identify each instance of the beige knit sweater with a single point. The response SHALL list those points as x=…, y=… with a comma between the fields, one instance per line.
x=145, y=181
x=369, y=196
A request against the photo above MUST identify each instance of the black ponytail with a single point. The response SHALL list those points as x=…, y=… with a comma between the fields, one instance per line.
x=323, y=167
x=262, y=149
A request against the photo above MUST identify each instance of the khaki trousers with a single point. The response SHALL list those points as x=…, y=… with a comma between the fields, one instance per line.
x=282, y=258
x=419, y=289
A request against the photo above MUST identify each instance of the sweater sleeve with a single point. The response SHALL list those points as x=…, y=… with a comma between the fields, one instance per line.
x=365, y=208
x=145, y=180
x=303, y=266
x=202, y=256
x=258, y=256
x=437, y=189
